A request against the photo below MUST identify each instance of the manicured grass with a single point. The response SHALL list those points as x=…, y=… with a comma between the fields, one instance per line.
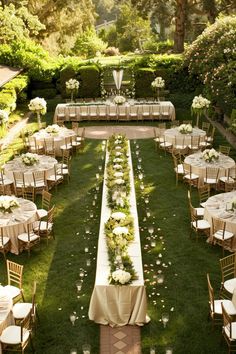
x=56, y=267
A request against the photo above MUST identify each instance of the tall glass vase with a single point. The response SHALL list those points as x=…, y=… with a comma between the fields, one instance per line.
x=72, y=96
x=39, y=119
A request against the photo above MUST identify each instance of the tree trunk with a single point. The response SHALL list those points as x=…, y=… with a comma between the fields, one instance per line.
x=180, y=17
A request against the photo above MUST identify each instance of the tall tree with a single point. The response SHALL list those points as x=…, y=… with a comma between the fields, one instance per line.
x=180, y=18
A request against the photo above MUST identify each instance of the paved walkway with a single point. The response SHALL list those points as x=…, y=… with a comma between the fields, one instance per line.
x=131, y=131
x=13, y=132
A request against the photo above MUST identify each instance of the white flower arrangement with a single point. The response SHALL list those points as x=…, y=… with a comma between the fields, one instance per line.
x=119, y=100
x=3, y=117
x=121, y=276
x=118, y=215
x=72, y=85
x=38, y=104
x=120, y=230
x=200, y=102
x=117, y=159
x=8, y=203
x=210, y=155
x=118, y=153
x=29, y=159
x=53, y=129
x=119, y=181
x=185, y=128
x=117, y=166
x=118, y=174
x=158, y=82
x=118, y=147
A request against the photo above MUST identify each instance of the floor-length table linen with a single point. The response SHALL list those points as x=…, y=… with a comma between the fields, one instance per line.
x=113, y=304
x=199, y=165
x=59, y=138
x=218, y=206
x=6, y=316
x=66, y=108
x=46, y=163
x=16, y=222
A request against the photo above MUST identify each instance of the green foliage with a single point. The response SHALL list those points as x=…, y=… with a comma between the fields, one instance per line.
x=89, y=77
x=68, y=72
x=10, y=92
x=88, y=44
x=45, y=93
x=143, y=80
x=212, y=58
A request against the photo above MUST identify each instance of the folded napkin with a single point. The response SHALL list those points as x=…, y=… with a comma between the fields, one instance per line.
x=212, y=205
x=225, y=215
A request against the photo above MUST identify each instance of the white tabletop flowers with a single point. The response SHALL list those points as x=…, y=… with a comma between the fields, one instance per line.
x=199, y=106
x=29, y=159
x=185, y=129
x=53, y=129
x=210, y=155
x=8, y=203
x=119, y=100
x=119, y=227
x=72, y=87
x=158, y=84
x=39, y=106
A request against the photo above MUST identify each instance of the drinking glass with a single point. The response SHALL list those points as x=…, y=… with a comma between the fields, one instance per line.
x=151, y=230
x=165, y=319
x=86, y=348
x=72, y=318
x=79, y=285
x=73, y=351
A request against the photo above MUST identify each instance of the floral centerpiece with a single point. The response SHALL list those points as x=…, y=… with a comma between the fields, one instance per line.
x=185, y=128
x=120, y=277
x=199, y=106
x=210, y=155
x=29, y=159
x=119, y=100
x=158, y=84
x=8, y=203
x=72, y=87
x=38, y=105
x=53, y=129
x=3, y=121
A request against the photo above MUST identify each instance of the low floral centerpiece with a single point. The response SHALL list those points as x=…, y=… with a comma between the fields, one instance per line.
x=53, y=129
x=157, y=85
x=29, y=159
x=185, y=129
x=120, y=277
x=8, y=203
x=39, y=106
x=199, y=106
x=119, y=100
x=210, y=155
x=72, y=87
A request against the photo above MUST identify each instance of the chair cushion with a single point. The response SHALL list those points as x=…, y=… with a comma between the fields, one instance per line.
x=201, y=224
x=210, y=180
x=42, y=213
x=24, y=237
x=226, y=179
x=6, y=181
x=66, y=147
x=11, y=335
x=42, y=226
x=13, y=291
x=233, y=330
x=165, y=144
x=228, y=305
x=219, y=235
x=179, y=169
x=200, y=211
x=5, y=241
x=54, y=178
x=21, y=309
x=191, y=177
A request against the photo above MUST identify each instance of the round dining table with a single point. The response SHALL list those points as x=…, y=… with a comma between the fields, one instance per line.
x=172, y=134
x=45, y=163
x=58, y=138
x=199, y=165
x=220, y=206
x=6, y=317
x=15, y=223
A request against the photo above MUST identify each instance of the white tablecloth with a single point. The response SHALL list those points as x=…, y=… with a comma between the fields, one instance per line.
x=217, y=205
x=66, y=109
x=46, y=163
x=224, y=163
x=59, y=139
x=16, y=222
x=6, y=317
x=111, y=304
x=173, y=133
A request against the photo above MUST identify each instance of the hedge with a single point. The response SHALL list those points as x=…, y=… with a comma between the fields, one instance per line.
x=10, y=92
x=45, y=93
x=89, y=77
x=143, y=80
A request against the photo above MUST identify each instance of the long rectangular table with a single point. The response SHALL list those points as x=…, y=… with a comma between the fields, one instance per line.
x=113, y=304
x=130, y=111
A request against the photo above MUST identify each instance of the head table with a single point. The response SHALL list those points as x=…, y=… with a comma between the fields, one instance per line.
x=173, y=135
x=16, y=222
x=45, y=163
x=66, y=109
x=6, y=317
x=199, y=165
x=59, y=138
x=218, y=206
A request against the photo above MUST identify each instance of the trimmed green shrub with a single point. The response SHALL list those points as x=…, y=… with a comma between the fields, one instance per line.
x=45, y=93
x=66, y=74
x=8, y=100
x=11, y=91
x=18, y=84
x=181, y=100
x=89, y=77
x=143, y=80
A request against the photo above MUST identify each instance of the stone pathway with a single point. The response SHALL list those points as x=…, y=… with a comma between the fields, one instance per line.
x=120, y=340
x=13, y=132
x=131, y=131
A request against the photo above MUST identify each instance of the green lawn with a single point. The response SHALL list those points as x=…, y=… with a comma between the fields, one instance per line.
x=56, y=267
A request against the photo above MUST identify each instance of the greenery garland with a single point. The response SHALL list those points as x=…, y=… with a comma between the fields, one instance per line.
x=119, y=228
